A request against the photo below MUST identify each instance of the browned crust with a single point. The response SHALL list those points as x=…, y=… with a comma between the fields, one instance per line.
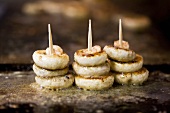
x=81, y=53
x=131, y=62
x=51, y=77
x=43, y=52
x=94, y=77
x=111, y=46
x=50, y=69
x=140, y=71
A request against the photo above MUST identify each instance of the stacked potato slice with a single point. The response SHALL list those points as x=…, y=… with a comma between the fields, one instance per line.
x=51, y=66
x=92, y=69
x=127, y=65
x=51, y=70
x=125, y=62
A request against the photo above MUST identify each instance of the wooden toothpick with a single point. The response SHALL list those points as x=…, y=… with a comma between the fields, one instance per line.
x=120, y=33
x=89, y=37
x=50, y=40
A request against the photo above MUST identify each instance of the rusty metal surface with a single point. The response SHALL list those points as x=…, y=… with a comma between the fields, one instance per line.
x=19, y=93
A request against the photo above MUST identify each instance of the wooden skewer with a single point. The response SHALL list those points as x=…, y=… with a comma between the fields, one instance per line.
x=89, y=37
x=120, y=33
x=50, y=40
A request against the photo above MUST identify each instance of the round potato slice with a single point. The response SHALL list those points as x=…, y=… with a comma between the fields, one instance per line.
x=58, y=82
x=90, y=59
x=133, y=78
x=131, y=66
x=119, y=54
x=51, y=62
x=49, y=73
x=95, y=83
x=91, y=71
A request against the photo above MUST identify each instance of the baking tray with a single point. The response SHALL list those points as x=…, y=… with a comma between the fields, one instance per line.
x=18, y=93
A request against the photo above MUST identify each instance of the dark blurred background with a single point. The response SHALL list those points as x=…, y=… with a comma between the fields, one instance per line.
x=23, y=27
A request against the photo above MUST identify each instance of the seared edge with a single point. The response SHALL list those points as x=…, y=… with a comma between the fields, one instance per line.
x=131, y=66
x=95, y=83
x=51, y=62
x=58, y=82
x=85, y=71
x=90, y=59
x=134, y=78
x=119, y=54
x=49, y=73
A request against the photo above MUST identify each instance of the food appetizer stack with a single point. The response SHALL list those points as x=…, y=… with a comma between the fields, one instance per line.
x=126, y=63
x=51, y=67
x=91, y=67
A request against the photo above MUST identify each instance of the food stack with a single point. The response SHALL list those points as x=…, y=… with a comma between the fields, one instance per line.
x=126, y=63
x=51, y=67
x=91, y=67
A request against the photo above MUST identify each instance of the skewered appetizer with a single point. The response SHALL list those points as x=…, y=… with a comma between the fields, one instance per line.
x=51, y=67
x=91, y=67
x=126, y=64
